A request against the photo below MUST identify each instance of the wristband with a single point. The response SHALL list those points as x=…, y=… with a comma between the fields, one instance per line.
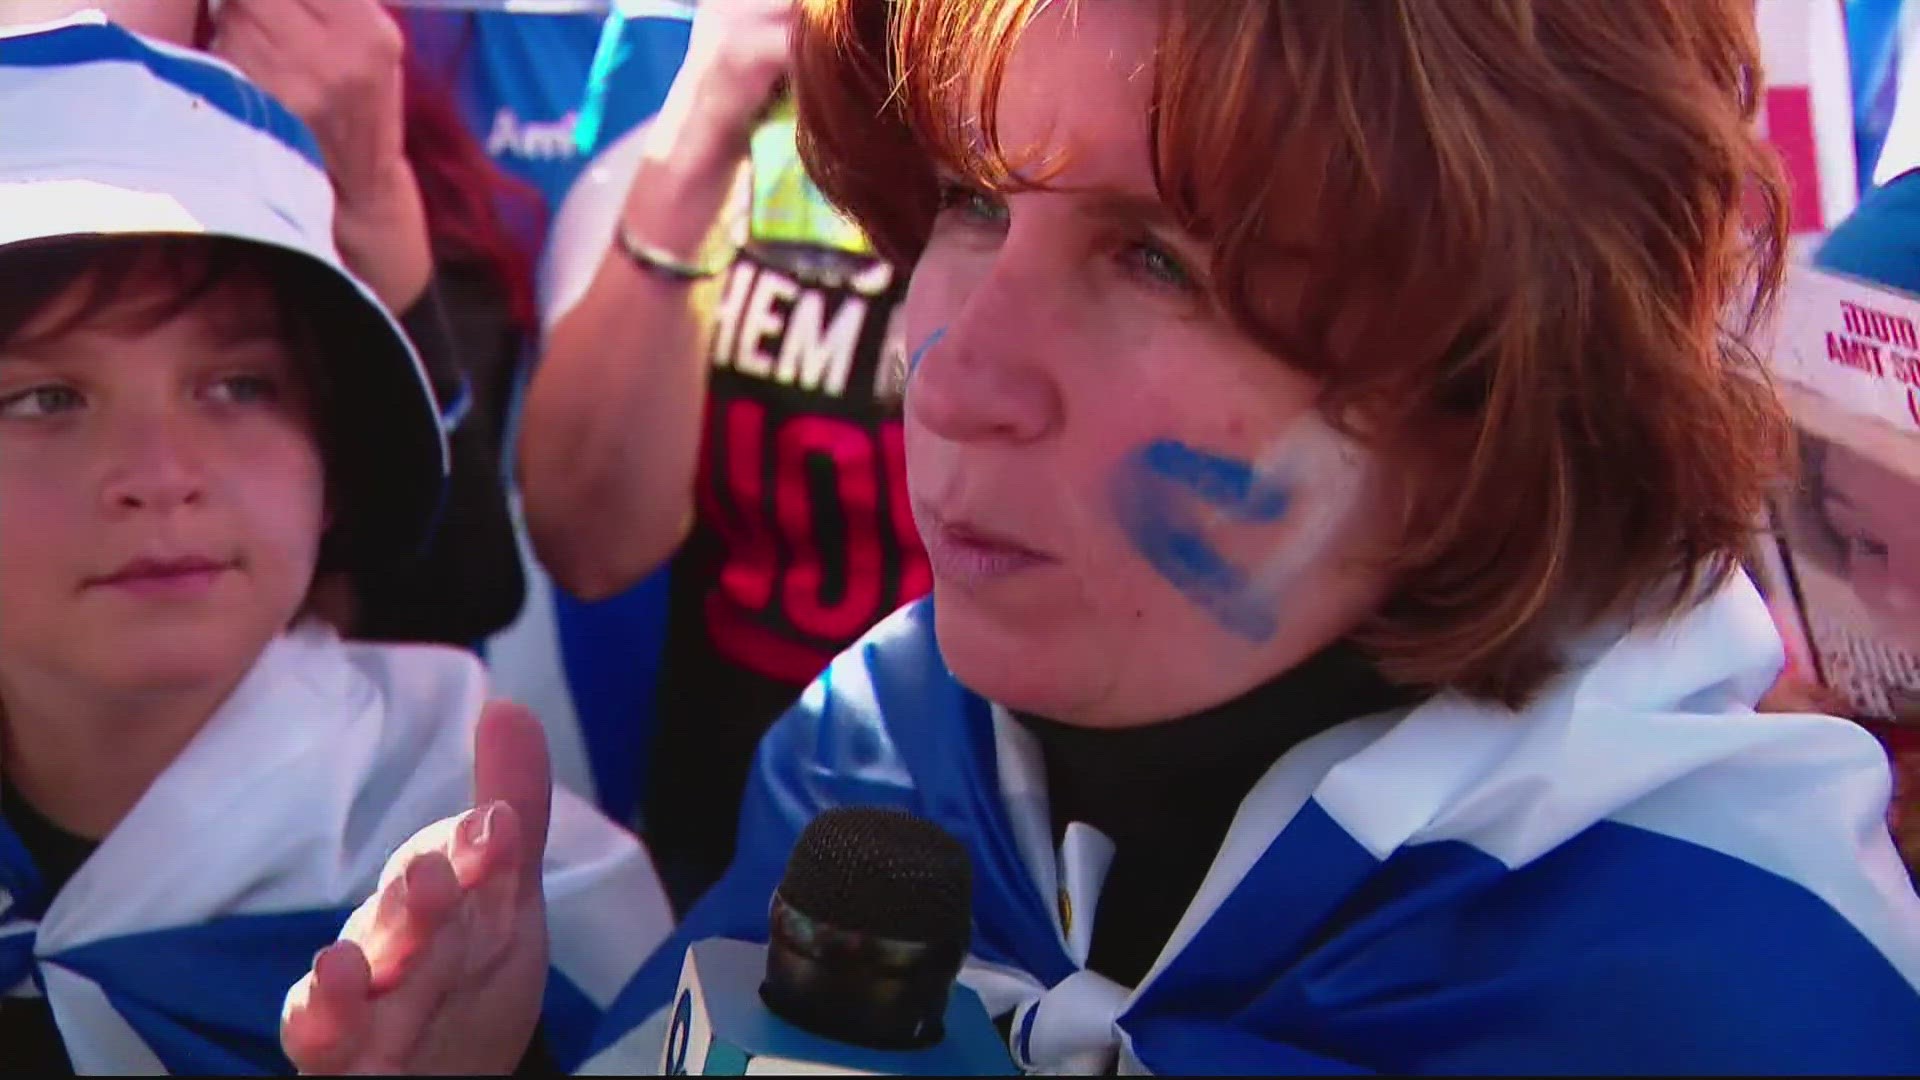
x=660, y=263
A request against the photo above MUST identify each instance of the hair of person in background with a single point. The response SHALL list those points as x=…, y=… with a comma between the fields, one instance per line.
x=1596, y=440
x=471, y=203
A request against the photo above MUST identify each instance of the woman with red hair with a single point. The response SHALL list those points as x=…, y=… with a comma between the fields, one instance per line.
x=1334, y=434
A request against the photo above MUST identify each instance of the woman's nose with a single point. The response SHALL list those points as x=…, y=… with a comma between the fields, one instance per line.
x=980, y=380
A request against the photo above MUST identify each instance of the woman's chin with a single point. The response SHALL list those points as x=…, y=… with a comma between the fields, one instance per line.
x=1020, y=669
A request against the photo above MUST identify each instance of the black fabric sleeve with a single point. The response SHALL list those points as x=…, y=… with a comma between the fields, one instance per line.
x=537, y=1061
x=467, y=584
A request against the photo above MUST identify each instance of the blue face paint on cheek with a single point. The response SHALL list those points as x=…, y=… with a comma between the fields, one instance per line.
x=1230, y=485
x=1157, y=495
x=919, y=354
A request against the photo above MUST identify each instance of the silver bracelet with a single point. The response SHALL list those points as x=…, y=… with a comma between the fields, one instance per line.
x=655, y=261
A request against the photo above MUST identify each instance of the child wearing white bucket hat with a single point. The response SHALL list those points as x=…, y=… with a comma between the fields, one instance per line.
x=199, y=406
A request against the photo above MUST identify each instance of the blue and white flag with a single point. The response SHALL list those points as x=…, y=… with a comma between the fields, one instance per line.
x=1637, y=874
x=174, y=945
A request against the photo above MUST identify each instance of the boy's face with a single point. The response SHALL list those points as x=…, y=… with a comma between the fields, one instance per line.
x=161, y=494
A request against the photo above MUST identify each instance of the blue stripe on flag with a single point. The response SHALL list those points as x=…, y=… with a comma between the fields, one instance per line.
x=568, y=1019
x=206, y=997
x=1622, y=950
x=72, y=46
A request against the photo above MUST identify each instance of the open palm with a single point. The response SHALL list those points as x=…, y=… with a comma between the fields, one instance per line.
x=442, y=970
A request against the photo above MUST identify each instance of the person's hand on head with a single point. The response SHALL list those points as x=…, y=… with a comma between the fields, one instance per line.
x=443, y=969
x=737, y=55
x=338, y=65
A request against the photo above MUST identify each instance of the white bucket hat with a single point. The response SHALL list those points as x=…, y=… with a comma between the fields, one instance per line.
x=107, y=134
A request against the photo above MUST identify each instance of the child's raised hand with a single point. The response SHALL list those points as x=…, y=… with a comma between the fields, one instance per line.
x=442, y=970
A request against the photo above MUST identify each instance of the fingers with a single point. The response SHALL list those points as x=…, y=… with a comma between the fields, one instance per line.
x=283, y=26
x=258, y=45
x=239, y=40
x=370, y=17
x=411, y=909
x=372, y=996
x=510, y=766
x=449, y=906
x=329, y=1012
x=486, y=842
x=308, y=53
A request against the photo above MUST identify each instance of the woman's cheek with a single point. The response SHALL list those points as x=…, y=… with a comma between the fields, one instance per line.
x=1236, y=536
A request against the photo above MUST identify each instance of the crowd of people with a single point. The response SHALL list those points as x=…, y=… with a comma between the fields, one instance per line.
x=1269, y=478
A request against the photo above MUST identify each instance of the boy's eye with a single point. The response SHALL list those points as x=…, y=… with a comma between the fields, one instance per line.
x=40, y=401
x=245, y=389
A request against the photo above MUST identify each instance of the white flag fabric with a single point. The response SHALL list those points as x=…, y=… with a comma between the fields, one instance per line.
x=173, y=947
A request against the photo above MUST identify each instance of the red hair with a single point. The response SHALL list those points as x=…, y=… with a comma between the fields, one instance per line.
x=468, y=197
x=1520, y=245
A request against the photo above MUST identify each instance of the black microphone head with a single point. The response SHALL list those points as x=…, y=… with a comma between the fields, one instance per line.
x=881, y=871
x=869, y=928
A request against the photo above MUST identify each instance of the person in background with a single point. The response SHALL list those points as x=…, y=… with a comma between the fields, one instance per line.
x=199, y=780
x=420, y=218
x=522, y=84
x=1335, y=432
x=1867, y=508
x=720, y=386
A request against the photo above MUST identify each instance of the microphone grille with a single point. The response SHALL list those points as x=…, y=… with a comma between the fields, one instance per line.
x=882, y=871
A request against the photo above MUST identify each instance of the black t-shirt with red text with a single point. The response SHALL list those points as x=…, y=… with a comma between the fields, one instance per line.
x=802, y=540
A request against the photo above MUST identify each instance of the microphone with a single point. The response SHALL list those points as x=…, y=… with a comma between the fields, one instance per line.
x=868, y=930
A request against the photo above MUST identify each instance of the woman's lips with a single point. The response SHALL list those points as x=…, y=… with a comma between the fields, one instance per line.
x=970, y=556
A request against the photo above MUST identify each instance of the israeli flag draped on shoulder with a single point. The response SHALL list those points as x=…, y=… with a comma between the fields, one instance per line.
x=1637, y=874
x=172, y=948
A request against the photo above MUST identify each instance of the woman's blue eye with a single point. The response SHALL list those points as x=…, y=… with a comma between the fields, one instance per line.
x=976, y=206
x=40, y=401
x=1159, y=265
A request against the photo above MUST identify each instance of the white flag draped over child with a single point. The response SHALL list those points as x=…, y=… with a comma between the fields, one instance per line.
x=173, y=947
